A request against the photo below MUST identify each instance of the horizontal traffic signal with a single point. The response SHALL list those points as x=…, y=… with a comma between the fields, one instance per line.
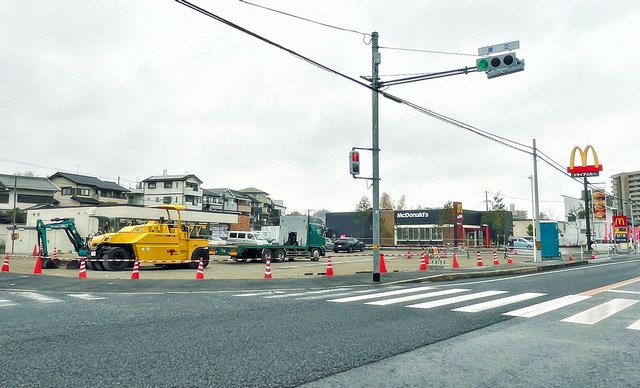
x=496, y=62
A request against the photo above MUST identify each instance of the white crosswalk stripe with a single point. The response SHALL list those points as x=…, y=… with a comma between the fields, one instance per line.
x=545, y=307
x=306, y=293
x=86, y=296
x=38, y=297
x=332, y=295
x=410, y=298
x=20, y=297
x=474, y=308
x=455, y=299
x=635, y=325
x=600, y=312
x=6, y=303
x=380, y=294
x=440, y=297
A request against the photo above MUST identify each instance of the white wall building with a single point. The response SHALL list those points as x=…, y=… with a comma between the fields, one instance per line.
x=173, y=189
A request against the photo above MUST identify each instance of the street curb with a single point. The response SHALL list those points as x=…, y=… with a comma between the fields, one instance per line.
x=501, y=272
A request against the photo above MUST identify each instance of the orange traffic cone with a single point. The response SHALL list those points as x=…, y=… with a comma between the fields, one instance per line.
x=329, y=267
x=423, y=263
x=496, y=261
x=479, y=262
x=37, y=270
x=5, y=264
x=200, y=273
x=135, y=274
x=593, y=254
x=267, y=270
x=383, y=266
x=570, y=256
x=82, y=273
x=409, y=254
x=35, y=250
x=426, y=259
x=509, y=259
x=455, y=261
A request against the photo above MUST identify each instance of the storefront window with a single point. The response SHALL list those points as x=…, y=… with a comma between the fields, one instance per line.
x=437, y=234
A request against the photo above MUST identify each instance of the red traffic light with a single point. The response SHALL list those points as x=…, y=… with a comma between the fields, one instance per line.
x=354, y=163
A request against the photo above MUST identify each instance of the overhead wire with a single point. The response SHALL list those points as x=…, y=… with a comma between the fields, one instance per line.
x=485, y=134
x=365, y=34
x=426, y=51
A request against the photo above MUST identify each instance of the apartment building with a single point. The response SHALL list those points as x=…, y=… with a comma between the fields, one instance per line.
x=626, y=192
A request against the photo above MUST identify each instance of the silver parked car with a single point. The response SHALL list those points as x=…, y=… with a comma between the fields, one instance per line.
x=329, y=243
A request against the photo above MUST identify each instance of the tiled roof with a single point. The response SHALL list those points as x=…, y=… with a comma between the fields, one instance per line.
x=27, y=183
x=89, y=181
x=171, y=177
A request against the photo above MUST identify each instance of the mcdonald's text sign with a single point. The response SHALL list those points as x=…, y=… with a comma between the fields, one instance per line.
x=584, y=169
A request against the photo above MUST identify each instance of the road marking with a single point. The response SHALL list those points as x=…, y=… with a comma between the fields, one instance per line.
x=409, y=298
x=86, y=296
x=474, y=308
x=624, y=292
x=610, y=287
x=600, y=312
x=38, y=297
x=634, y=326
x=332, y=296
x=380, y=294
x=261, y=293
x=545, y=307
x=6, y=303
x=455, y=299
x=307, y=293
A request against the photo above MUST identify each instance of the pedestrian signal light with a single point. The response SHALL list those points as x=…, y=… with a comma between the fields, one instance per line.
x=354, y=162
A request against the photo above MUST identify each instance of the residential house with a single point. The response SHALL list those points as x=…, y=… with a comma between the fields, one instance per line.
x=228, y=200
x=86, y=190
x=31, y=191
x=264, y=211
x=173, y=189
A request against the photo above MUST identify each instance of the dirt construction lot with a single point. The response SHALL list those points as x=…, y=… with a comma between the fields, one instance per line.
x=343, y=264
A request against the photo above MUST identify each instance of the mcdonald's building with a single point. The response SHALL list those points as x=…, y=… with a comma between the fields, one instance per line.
x=417, y=227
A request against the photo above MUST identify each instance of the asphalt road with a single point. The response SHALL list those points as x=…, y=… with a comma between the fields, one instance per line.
x=59, y=332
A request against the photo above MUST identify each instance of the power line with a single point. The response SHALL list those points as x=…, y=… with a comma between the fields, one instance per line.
x=426, y=51
x=58, y=169
x=490, y=136
x=364, y=34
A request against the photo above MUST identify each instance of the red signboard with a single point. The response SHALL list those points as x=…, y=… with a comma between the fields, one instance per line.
x=584, y=170
x=620, y=221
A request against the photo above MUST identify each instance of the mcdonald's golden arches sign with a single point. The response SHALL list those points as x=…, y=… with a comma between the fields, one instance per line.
x=584, y=169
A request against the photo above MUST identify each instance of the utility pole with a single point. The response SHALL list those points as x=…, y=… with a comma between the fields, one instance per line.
x=15, y=196
x=536, y=207
x=587, y=213
x=375, y=61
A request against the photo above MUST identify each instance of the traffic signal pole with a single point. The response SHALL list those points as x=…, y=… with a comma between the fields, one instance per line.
x=375, y=61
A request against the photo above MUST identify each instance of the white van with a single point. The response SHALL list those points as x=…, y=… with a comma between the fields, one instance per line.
x=245, y=238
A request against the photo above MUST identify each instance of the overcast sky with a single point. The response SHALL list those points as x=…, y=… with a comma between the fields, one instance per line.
x=126, y=89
